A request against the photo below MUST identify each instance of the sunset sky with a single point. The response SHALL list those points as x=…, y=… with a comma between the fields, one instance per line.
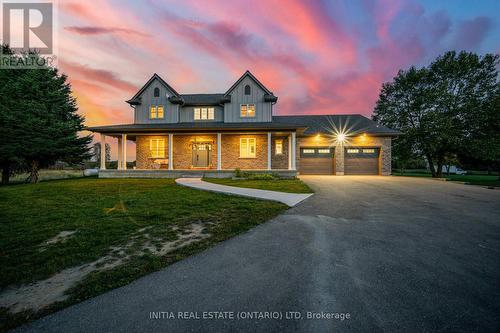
x=318, y=57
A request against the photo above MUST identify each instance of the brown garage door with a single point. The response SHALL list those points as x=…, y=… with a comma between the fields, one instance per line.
x=361, y=161
x=316, y=161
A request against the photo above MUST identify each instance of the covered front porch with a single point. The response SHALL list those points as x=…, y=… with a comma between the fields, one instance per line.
x=210, y=154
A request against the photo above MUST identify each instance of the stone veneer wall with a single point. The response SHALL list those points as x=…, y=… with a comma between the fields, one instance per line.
x=143, y=158
x=279, y=161
x=231, y=152
x=384, y=143
x=182, y=150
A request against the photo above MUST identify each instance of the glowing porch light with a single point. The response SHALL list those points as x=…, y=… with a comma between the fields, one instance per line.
x=341, y=137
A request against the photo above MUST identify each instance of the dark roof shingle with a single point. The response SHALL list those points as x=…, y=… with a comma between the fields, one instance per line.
x=327, y=124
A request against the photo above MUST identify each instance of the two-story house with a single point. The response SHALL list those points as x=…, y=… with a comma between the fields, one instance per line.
x=214, y=134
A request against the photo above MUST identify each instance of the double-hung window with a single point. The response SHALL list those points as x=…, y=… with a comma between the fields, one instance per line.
x=156, y=112
x=278, y=149
x=247, y=147
x=204, y=114
x=157, y=148
x=247, y=110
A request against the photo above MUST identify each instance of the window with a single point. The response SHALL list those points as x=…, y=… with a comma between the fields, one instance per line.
x=308, y=151
x=160, y=111
x=368, y=151
x=204, y=114
x=157, y=148
x=353, y=151
x=278, y=147
x=156, y=112
x=247, y=110
x=157, y=92
x=248, y=90
x=247, y=147
x=323, y=151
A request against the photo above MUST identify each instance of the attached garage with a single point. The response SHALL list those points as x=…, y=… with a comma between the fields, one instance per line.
x=316, y=161
x=361, y=161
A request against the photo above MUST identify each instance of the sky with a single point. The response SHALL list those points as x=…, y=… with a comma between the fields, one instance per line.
x=318, y=57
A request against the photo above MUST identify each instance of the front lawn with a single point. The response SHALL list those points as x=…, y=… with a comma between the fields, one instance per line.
x=281, y=185
x=73, y=239
x=484, y=180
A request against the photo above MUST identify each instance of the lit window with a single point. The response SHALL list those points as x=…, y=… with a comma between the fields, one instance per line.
x=156, y=111
x=353, y=151
x=308, y=151
x=247, y=110
x=324, y=151
x=160, y=111
x=279, y=147
x=152, y=113
x=204, y=113
x=247, y=147
x=368, y=151
x=157, y=148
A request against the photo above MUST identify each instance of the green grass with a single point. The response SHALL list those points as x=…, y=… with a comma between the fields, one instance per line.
x=282, y=185
x=484, y=180
x=107, y=213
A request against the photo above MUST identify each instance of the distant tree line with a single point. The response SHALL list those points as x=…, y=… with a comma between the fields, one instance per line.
x=39, y=123
x=447, y=112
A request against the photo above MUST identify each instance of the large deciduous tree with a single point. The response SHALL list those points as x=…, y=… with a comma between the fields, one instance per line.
x=446, y=108
x=42, y=120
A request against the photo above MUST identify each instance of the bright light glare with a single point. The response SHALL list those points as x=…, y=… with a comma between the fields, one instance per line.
x=341, y=137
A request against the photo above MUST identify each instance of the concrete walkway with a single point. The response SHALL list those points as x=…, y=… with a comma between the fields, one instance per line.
x=290, y=199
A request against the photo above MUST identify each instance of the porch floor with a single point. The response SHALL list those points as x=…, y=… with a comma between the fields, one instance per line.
x=187, y=173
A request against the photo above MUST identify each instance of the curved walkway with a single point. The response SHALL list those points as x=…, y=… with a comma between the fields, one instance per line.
x=290, y=199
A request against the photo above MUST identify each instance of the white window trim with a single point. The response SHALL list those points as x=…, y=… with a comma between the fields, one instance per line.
x=208, y=111
x=276, y=147
x=156, y=152
x=247, y=105
x=248, y=150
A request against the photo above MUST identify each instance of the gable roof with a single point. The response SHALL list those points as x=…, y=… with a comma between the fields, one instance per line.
x=327, y=124
x=247, y=73
x=135, y=99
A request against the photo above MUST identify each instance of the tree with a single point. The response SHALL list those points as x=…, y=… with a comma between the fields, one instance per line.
x=42, y=120
x=442, y=109
x=96, y=152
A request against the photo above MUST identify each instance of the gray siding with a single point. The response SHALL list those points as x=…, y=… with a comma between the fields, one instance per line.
x=148, y=99
x=186, y=114
x=263, y=110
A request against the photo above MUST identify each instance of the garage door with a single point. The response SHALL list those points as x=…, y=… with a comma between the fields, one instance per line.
x=361, y=161
x=316, y=161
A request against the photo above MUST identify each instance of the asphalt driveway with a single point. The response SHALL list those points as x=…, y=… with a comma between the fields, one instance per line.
x=396, y=254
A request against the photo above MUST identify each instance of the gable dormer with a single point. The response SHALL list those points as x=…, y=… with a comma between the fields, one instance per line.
x=248, y=100
x=156, y=102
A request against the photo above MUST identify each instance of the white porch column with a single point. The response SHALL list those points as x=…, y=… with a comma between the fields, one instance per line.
x=124, y=152
x=219, y=151
x=170, y=149
x=120, y=153
x=290, y=152
x=269, y=151
x=294, y=150
x=103, y=152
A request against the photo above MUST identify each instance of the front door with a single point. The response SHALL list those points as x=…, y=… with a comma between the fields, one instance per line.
x=201, y=155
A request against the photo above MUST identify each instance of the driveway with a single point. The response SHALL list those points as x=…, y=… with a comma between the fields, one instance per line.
x=395, y=253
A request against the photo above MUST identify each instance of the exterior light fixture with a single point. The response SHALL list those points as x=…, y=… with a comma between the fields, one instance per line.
x=340, y=137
